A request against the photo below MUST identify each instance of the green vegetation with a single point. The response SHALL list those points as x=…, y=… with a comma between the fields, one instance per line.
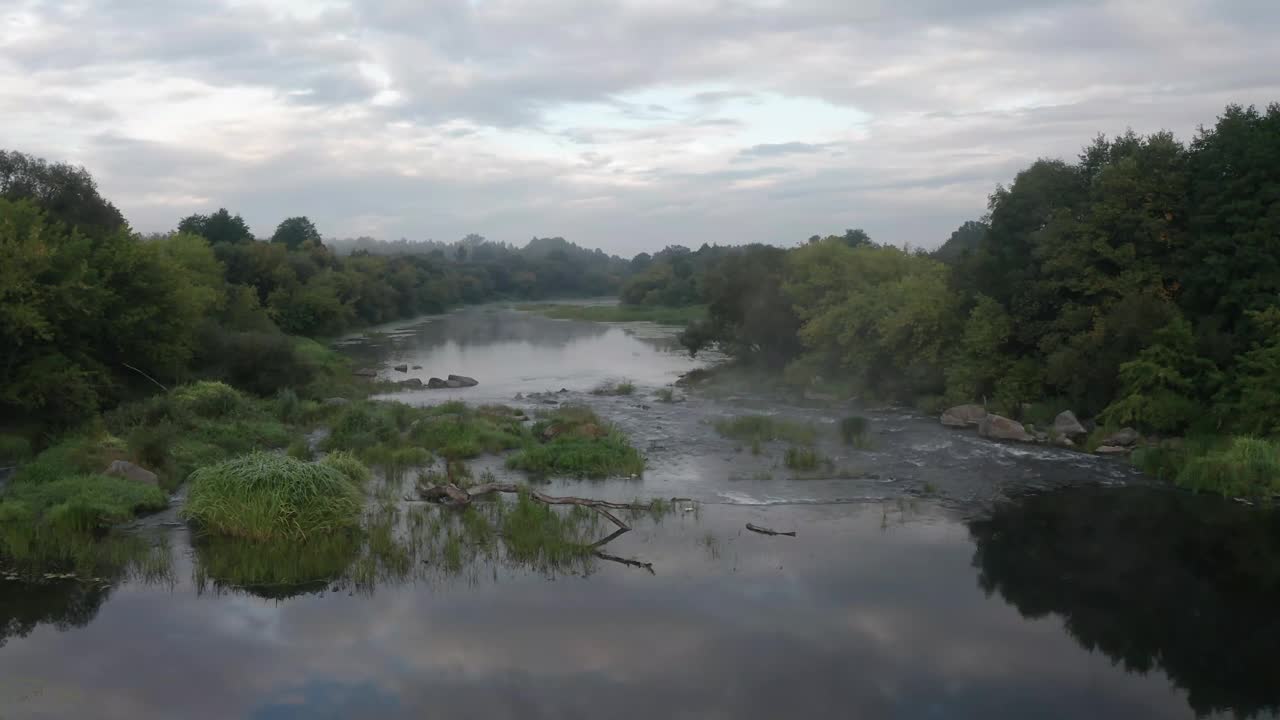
x=1242, y=467
x=666, y=395
x=574, y=442
x=538, y=535
x=756, y=429
x=853, y=431
x=263, y=496
x=1137, y=284
x=349, y=465
x=79, y=503
x=662, y=315
x=801, y=458
x=626, y=387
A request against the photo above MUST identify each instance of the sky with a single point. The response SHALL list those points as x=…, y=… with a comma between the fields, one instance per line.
x=627, y=125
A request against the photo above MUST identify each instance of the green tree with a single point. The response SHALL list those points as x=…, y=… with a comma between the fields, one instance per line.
x=1162, y=387
x=296, y=232
x=220, y=227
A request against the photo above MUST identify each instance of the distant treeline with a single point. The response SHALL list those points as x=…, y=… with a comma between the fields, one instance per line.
x=91, y=312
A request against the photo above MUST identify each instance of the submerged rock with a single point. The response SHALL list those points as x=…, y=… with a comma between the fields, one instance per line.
x=962, y=416
x=436, y=383
x=129, y=471
x=1124, y=437
x=1068, y=426
x=402, y=368
x=411, y=384
x=451, y=383
x=998, y=427
x=1111, y=450
x=464, y=380
x=365, y=372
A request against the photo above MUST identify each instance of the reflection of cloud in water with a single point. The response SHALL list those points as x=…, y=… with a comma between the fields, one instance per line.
x=859, y=616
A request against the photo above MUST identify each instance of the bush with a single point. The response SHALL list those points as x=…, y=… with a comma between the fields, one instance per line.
x=208, y=399
x=76, y=455
x=625, y=387
x=802, y=458
x=853, y=430
x=263, y=496
x=13, y=449
x=601, y=457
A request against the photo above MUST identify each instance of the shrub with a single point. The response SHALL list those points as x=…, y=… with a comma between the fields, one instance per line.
x=75, y=455
x=853, y=430
x=625, y=387
x=263, y=496
x=208, y=399
x=601, y=457
x=13, y=449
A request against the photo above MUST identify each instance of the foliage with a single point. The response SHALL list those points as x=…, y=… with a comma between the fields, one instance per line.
x=264, y=496
x=218, y=227
x=80, y=503
x=853, y=430
x=1248, y=467
x=799, y=458
x=625, y=387
x=659, y=314
x=574, y=442
x=1163, y=385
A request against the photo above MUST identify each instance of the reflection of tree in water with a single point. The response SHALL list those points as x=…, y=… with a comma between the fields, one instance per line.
x=275, y=571
x=483, y=327
x=64, y=604
x=1186, y=584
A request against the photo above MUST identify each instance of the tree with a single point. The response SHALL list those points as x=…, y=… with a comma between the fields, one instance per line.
x=1163, y=385
x=963, y=243
x=68, y=193
x=296, y=232
x=220, y=227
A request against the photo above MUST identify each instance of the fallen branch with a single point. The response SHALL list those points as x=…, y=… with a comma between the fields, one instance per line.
x=767, y=531
x=157, y=382
x=462, y=496
x=626, y=561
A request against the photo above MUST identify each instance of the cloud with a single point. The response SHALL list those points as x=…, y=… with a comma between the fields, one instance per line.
x=452, y=116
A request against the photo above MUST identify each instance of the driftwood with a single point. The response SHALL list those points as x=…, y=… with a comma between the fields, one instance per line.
x=461, y=496
x=767, y=531
x=625, y=561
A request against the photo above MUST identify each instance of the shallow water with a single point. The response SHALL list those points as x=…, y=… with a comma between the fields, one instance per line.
x=934, y=575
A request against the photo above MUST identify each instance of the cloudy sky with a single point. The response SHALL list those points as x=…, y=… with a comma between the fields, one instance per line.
x=621, y=124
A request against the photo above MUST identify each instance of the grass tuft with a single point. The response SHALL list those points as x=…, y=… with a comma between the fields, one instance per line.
x=764, y=428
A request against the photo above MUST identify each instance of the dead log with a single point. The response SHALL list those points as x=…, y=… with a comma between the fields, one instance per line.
x=768, y=531
x=626, y=561
x=462, y=496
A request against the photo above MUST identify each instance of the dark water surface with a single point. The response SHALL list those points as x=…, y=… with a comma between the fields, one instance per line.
x=940, y=576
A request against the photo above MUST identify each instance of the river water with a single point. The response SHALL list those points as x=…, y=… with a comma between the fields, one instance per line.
x=933, y=575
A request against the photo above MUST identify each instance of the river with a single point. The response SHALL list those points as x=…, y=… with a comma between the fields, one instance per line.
x=933, y=575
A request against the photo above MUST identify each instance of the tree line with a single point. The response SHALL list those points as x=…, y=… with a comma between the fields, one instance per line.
x=1139, y=283
x=92, y=313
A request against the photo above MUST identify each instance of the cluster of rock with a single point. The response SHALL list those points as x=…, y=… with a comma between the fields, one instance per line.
x=1067, y=430
x=453, y=381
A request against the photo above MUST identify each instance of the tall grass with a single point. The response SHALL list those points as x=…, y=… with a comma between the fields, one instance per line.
x=1247, y=467
x=575, y=442
x=263, y=496
x=625, y=387
x=798, y=458
x=764, y=428
x=853, y=430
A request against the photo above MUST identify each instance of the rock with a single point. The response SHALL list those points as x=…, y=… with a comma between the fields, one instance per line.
x=964, y=416
x=436, y=384
x=1064, y=441
x=411, y=384
x=998, y=427
x=1068, y=426
x=365, y=372
x=1041, y=437
x=466, y=381
x=1124, y=437
x=417, y=367
x=1111, y=450
x=337, y=401
x=129, y=471
x=451, y=383
x=401, y=368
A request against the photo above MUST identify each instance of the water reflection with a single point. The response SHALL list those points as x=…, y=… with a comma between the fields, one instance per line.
x=1186, y=585
x=871, y=612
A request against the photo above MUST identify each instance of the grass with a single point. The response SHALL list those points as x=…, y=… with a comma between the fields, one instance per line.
x=666, y=395
x=574, y=442
x=800, y=458
x=349, y=465
x=625, y=387
x=620, y=313
x=13, y=449
x=275, y=570
x=1244, y=467
x=853, y=431
x=764, y=428
x=536, y=534
x=263, y=496
x=79, y=503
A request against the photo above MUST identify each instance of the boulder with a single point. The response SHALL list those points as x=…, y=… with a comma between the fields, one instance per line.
x=451, y=383
x=129, y=471
x=1064, y=441
x=1124, y=437
x=411, y=384
x=1111, y=450
x=964, y=416
x=417, y=367
x=436, y=384
x=464, y=380
x=1068, y=426
x=402, y=368
x=998, y=427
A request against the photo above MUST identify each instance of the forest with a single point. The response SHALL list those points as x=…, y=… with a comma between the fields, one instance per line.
x=1138, y=285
